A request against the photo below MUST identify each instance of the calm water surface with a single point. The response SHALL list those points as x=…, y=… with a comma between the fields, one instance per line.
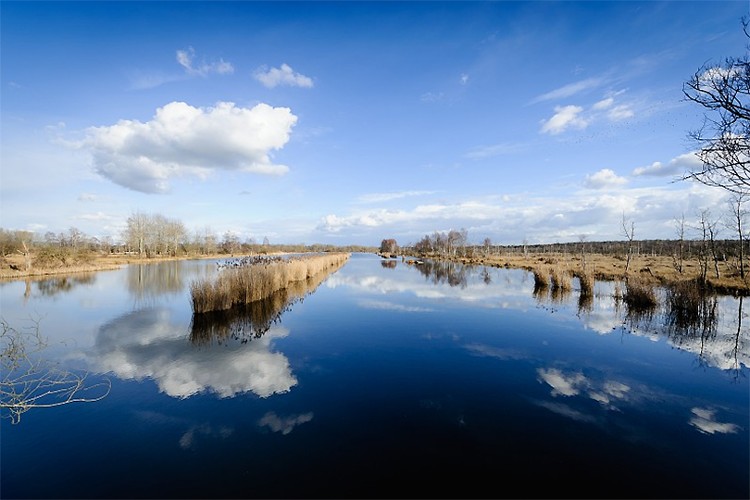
x=383, y=380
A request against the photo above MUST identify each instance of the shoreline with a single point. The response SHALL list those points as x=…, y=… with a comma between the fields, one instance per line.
x=656, y=270
x=653, y=270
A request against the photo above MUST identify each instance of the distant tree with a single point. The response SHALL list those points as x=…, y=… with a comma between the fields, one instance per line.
x=738, y=216
x=628, y=228
x=487, y=243
x=230, y=243
x=679, y=256
x=388, y=246
x=723, y=140
x=136, y=232
x=457, y=240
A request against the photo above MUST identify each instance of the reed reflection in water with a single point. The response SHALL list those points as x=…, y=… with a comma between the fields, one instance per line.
x=687, y=315
x=245, y=322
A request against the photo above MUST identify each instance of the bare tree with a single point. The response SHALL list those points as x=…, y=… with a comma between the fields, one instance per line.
x=30, y=381
x=136, y=232
x=737, y=223
x=723, y=140
x=628, y=228
x=487, y=245
x=679, y=256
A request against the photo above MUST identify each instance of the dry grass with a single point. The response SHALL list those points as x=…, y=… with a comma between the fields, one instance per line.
x=640, y=294
x=541, y=278
x=251, y=321
x=657, y=270
x=561, y=279
x=247, y=284
x=12, y=267
x=586, y=281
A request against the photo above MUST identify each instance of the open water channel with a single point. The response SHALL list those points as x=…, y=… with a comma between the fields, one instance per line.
x=383, y=380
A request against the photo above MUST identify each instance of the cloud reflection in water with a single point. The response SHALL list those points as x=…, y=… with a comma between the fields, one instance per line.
x=145, y=344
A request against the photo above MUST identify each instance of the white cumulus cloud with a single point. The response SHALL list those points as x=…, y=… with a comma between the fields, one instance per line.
x=284, y=75
x=565, y=117
x=182, y=140
x=675, y=166
x=603, y=179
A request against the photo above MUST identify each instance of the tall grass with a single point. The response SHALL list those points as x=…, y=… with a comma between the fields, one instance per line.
x=639, y=294
x=251, y=321
x=249, y=283
x=560, y=279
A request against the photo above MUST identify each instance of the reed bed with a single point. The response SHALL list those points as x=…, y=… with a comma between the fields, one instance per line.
x=640, y=294
x=541, y=278
x=560, y=279
x=246, y=322
x=586, y=279
x=244, y=284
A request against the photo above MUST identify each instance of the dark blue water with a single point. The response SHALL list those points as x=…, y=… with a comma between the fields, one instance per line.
x=387, y=382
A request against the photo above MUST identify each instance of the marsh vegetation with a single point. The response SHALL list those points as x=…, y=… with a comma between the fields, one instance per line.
x=248, y=280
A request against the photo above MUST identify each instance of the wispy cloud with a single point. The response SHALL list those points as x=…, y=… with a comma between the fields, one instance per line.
x=569, y=90
x=381, y=197
x=493, y=150
x=140, y=80
x=284, y=75
x=432, y=97
x=538, y=218
x=186, y=58
x=87, y=197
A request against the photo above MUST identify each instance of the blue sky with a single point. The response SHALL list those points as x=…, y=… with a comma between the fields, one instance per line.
x=350, y=122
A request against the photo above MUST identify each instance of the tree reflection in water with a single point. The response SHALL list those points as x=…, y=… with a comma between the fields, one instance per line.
x=437, y=272
x=151, y=280
x=388, y=263
x=53, y=286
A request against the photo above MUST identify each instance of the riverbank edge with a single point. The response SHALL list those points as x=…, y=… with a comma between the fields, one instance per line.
x=603, y=267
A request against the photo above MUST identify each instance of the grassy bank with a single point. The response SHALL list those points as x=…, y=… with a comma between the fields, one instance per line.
x=549, y=268
x=247, y=283
x=14, y=267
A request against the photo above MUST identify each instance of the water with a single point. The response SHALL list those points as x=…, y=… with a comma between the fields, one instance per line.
x=385, y=380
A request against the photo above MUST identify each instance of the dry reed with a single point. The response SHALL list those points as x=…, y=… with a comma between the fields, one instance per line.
x=640, y=294
x=541, y=278
x=246, y=284
x=586, y=280
x=560, y=279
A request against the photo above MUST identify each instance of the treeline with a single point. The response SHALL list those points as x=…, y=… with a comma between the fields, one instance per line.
x=454, y=243
x=147, y=236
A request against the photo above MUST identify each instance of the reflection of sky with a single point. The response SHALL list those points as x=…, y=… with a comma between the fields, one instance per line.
x=146, y=344
x=284, y=425
x=704, y=419
x=512, y=289
x=605, y=392
x=615, y=395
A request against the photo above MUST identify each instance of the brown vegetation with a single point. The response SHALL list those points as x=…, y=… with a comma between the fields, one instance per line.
x=245, y=284
x=652, y=269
